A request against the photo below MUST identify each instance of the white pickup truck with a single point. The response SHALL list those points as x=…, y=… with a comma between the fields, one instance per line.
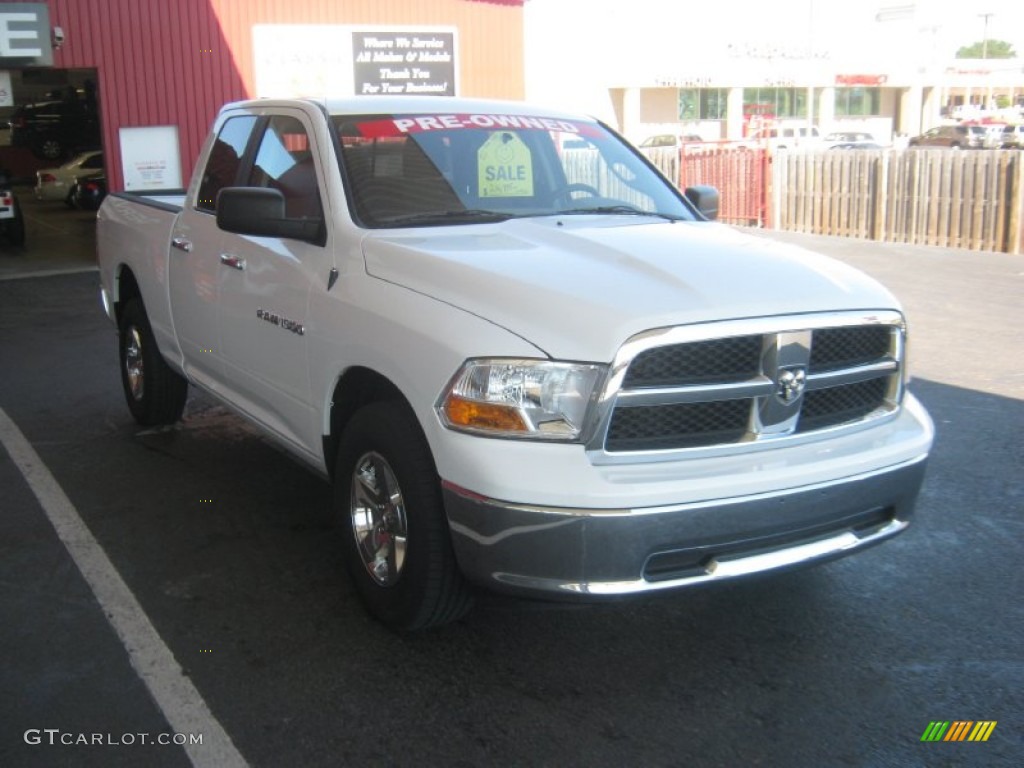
x=524, y=358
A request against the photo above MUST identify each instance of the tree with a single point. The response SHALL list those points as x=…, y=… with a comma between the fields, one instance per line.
x=993, y=49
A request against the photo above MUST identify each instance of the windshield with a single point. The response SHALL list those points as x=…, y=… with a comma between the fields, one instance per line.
x=416, y=170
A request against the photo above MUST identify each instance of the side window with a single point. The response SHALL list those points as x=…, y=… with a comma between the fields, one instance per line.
x=225, y=157
x=284, y=161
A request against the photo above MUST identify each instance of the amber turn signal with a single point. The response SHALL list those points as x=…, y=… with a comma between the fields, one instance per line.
x=475, y=415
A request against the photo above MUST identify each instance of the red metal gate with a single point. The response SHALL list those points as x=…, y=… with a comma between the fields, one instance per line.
x=739, y=173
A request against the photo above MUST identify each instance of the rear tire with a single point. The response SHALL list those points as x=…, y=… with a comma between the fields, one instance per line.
x=396, y=541
x=155, y=393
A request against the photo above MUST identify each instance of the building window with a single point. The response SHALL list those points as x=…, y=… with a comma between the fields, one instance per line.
x=779, y=102
x=858, y=102
x=703, y=103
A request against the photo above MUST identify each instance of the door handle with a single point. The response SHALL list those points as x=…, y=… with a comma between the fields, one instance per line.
x=232, y=261
x=182, y=244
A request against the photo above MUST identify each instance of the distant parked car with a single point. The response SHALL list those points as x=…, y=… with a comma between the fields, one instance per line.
x=12, y=223
x=993, y=137
x=848, y=139
x=786, y=137
x=952, y=136
x=1012, y=137
x=89, y=191
x=57, y=183
x=857, y=145
x=669, y=140
x=53, y=129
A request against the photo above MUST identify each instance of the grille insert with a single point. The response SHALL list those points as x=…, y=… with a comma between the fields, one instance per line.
x=688, y=425
x=838, y=405
x=834, y=348
x=719, y=360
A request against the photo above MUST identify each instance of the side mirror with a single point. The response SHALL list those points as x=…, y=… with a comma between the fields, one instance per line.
x=704, y=199
x=261, y=211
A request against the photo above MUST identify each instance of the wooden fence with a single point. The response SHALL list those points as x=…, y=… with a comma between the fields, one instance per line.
x=972, y=199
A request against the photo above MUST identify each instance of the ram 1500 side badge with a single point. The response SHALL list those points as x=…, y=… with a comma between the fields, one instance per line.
x=275, y=319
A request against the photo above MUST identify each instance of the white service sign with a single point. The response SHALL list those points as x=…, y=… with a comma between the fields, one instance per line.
x=151, y=158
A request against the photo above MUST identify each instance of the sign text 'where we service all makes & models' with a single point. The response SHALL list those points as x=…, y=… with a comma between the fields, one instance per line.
x=404, y=63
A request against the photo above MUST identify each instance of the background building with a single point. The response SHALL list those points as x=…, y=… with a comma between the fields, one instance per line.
x=656, y=66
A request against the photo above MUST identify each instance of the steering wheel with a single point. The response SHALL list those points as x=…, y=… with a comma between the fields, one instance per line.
x=565, y=192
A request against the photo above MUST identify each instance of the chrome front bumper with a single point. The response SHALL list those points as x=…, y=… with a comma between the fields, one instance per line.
x=580, y=553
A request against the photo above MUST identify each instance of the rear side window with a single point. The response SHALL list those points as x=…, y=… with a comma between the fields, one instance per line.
x=225, y=158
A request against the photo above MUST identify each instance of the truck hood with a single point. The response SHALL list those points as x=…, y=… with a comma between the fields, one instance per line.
x=578, y=286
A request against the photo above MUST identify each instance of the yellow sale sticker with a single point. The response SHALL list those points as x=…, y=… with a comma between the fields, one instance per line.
x=505, y=166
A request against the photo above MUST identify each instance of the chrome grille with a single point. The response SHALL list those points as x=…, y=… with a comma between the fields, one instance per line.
x=788, y=378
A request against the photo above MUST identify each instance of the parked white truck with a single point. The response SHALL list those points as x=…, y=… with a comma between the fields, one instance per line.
x=524, y=358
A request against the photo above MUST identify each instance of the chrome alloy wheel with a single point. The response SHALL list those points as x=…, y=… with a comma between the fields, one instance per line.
x=378, y=518
x=133, y=365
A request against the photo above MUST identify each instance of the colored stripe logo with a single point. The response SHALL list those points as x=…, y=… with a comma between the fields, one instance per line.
x=959, y=730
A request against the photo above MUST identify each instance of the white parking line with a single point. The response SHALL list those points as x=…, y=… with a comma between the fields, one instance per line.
x=175, y=695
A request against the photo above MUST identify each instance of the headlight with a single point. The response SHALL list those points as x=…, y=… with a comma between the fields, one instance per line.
x=533, y=399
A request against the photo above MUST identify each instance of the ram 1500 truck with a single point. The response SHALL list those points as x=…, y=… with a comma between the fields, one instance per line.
x=524, y=358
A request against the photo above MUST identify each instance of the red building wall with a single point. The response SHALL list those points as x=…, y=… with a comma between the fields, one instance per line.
x=175, y=62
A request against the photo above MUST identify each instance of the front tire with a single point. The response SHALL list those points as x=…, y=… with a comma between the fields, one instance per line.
x=396, y=541
x=155, y=393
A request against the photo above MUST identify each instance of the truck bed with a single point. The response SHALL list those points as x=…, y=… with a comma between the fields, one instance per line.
x=134, y=228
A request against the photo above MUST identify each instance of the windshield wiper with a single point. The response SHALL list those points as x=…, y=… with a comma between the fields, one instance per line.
x=467, y=215
x=622, y=210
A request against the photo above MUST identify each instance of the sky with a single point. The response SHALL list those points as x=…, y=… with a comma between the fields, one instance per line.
x=597, y=44
x=834, y=23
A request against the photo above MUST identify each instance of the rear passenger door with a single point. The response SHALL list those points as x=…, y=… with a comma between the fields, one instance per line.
x=265, y=282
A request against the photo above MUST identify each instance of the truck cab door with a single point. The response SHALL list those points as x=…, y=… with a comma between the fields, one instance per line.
x=264, y=288
x=194, y=268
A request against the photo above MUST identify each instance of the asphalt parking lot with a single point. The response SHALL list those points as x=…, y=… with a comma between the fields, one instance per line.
x=230, y=551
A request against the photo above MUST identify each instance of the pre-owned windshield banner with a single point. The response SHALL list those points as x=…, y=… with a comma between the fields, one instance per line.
x=402, y=125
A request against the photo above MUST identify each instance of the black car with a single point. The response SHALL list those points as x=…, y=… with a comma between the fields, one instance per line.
x=88, y=191
x=54, y=129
